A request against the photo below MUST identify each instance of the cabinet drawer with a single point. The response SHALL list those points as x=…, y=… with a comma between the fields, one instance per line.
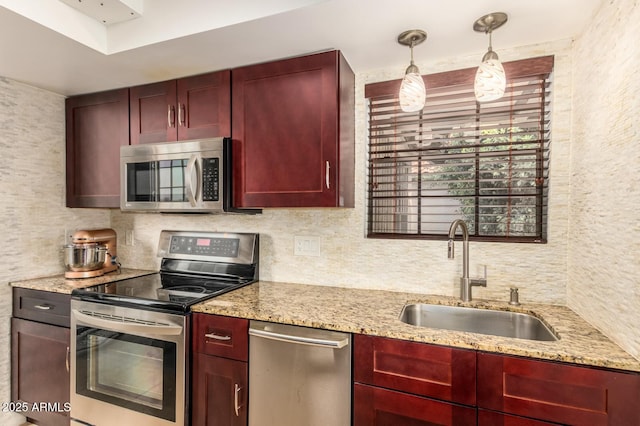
x=222, y=336
x=377, y=406
x=559, y=393
x=42, y=306
x=434, y=371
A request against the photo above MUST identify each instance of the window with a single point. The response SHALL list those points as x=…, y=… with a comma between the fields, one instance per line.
x=458, y=159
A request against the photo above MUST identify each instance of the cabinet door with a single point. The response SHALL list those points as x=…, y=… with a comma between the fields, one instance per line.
x=384, y=407
x=219, y=391
x=433, y=371
x=557, y=392
x=154, y=113
x=289, y=148
x=97, y=126
x=204, y=106
x=40, y=369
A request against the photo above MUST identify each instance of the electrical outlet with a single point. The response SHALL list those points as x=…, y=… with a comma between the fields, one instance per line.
x=68, y=232
x=128, y=237
x=306, y=246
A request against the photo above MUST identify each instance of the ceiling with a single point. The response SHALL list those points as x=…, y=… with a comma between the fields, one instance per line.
x=48, y=44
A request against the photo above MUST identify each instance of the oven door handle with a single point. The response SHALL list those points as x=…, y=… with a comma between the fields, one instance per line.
x=126, y=327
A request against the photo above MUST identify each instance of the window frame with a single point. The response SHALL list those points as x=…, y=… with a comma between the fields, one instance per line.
x=541, y=68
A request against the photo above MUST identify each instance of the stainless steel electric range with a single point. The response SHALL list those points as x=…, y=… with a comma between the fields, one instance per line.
x=130, y=346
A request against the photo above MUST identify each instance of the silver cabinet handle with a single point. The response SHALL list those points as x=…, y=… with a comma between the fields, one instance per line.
x=236, y=402
x=44, y=307
x=171, y=116
x=217, y=337
x=66, y=361
x=181, y=114
x=326, y=175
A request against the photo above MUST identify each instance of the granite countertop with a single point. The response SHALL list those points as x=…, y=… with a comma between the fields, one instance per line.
x=60, y=284
x=376, y=312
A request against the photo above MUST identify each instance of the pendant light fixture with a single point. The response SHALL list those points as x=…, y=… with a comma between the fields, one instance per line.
x=490, y=79
x=412, y=90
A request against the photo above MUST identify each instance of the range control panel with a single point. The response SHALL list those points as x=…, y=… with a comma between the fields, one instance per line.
x=205, y=246
x=227, y=247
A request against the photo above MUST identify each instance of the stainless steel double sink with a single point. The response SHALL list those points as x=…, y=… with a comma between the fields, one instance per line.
x=475, y=320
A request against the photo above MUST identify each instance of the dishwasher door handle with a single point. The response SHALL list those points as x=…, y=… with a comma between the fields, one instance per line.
x=302, y=340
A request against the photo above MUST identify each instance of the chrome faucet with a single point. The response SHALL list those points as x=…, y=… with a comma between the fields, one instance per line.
x=465, y=282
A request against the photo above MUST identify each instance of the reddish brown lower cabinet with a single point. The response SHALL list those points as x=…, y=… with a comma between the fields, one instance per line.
x=40, y=371
x=560, y=393
x=434, y=371
x=403, y=383
x=219, y=385
x=40, y=342
x=219, y=391
x=383, y=407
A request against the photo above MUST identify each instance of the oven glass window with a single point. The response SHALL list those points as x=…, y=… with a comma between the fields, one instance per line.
x=126, y=370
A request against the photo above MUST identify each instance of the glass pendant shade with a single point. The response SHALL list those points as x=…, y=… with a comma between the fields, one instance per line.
x=490, y=80
x=413, y=92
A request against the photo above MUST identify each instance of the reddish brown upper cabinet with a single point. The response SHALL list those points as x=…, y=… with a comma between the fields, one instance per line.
x=97, y=126
x=560, y=393
x=189, y=108
x=293, y=133
x=220, y=371
x=405, y=383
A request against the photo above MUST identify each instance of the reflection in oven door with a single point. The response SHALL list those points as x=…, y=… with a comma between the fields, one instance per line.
x=128, y=366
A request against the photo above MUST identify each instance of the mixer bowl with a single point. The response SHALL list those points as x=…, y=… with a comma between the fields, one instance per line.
x=84, y=257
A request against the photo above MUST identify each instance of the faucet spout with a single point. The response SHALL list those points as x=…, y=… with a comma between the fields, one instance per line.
x=465, y=282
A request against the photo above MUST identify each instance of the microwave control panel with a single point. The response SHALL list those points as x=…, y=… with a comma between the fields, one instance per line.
x=211, y=179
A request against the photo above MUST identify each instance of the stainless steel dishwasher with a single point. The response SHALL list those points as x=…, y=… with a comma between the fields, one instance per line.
x=298, y=376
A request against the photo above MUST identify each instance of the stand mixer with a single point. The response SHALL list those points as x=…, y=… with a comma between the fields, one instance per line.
x=92, y=253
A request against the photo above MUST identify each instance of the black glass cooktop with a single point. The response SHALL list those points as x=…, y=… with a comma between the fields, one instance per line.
x=166, y=292
x=195, y=266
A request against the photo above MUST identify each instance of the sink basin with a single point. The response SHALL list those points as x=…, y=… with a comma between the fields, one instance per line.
x=474, y=320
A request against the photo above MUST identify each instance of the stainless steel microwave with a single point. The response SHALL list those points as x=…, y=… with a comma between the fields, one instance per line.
x=189, y=176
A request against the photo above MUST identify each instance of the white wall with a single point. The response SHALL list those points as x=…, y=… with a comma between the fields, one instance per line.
x=349, y=259
x=604, y=237
x=32, y=213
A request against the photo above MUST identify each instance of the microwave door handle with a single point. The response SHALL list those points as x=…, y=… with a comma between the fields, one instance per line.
x=192, y=180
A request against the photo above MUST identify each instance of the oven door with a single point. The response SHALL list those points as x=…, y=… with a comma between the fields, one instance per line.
x=128, y=366
x=184, y=176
